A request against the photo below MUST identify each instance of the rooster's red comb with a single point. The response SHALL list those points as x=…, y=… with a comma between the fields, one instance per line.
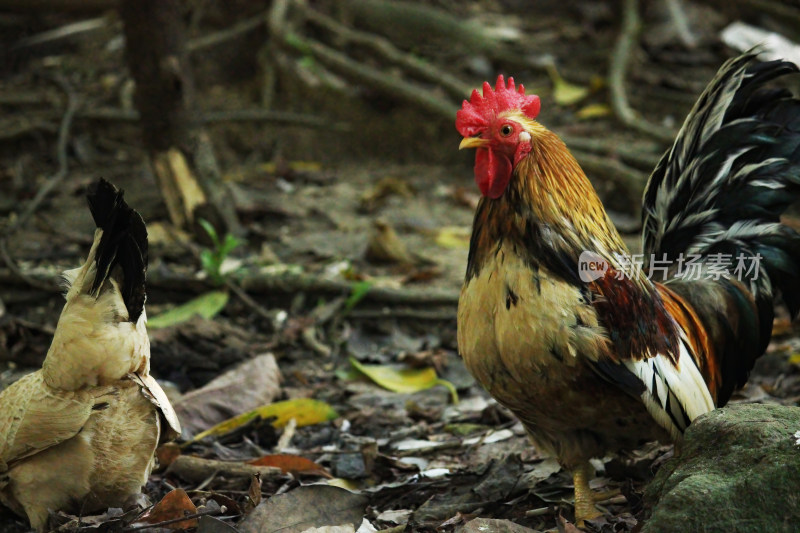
x=476, y=114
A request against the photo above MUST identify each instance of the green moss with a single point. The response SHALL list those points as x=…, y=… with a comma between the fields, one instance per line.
x=738, y=471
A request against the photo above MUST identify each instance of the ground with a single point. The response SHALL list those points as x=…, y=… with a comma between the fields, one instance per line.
x=386, y=203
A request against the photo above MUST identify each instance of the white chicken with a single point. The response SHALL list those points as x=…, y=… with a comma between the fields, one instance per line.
x=80, y=434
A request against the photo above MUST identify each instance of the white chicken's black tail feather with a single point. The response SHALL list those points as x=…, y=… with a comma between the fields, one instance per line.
x=123, y=244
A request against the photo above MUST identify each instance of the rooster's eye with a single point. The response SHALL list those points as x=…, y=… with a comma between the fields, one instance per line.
x=505, y=130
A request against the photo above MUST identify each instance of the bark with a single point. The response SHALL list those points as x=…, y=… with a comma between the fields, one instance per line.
x=180, y=152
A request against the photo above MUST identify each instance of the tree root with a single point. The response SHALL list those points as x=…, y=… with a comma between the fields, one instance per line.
x=618, y=68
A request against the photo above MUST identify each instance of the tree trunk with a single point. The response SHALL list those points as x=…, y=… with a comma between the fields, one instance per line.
x=180, y=152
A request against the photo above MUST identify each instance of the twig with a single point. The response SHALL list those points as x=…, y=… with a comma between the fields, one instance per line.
x=785, y=12
x=412, y=314
x=617, y=70
x=195, y=469
x=224, y=115
x=620, y=175
x=681, y=23
x=12, y=266
x=230, y=284
x=643, y=156
x=541, y=511
x=219, y=37
x=53, y=181
x=248, y=301
x=284, y=283
x=61, y=154
x=388, y=51
x=388, y=84
x=62, y=32
x=191, y=516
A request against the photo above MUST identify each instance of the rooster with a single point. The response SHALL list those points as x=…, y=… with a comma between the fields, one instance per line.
x=592, y=354
x=80, y=433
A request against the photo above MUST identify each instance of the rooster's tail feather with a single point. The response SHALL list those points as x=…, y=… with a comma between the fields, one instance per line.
x=718, y=194
x=733, y=170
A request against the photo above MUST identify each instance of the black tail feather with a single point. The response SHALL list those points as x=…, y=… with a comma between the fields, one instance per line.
x=123, y=244
x=721, y=189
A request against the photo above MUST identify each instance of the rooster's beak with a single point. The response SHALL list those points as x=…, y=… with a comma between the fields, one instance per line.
x=472, y=142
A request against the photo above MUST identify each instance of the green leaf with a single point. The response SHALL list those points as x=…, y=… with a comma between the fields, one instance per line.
x=209, y=228
x=405, y=380
x=305, y=411
x=229, y=245
x=357, y=292
x=206, y=305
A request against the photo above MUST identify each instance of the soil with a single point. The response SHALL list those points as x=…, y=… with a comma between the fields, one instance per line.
x=312, y=201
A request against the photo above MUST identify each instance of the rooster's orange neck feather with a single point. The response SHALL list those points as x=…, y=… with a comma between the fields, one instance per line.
x=554, y=185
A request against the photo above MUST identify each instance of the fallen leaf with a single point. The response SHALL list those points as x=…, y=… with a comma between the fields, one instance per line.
x=376, y=196
x=253, y=493
x=167, y=453
x=206, y=305
x=480, y=525
x=593, y=111
x=331, y=529
x=209, y=524
x=307, y=507
x=385, y=246
x=404, y=380
x=304, y=410
x=176, y=504
x=565, y=93
x=291, y=464
x=454, y=237
x=245, y=387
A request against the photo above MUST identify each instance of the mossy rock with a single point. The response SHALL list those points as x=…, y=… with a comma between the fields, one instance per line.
x=738, y=471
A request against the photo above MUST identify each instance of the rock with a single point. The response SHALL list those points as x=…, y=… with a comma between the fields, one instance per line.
x=738, y=471
x=490, y=525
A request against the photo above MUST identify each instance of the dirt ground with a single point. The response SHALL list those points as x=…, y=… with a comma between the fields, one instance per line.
x=385, y=202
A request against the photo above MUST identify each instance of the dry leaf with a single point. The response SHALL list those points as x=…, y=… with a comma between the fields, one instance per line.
x=167, y=453
x=376, y=196
x=253, y=493
x=291, y=464
x=176, y=504
x=312, y=506
x=245, y=387
x=384, y=246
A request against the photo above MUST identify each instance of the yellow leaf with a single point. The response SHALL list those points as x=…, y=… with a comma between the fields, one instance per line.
x=565, y=93
x=593, y=111
x=342, y=483
x=453, y=237
x=794, y=359
x=405, y=380
x=206, y=305
x=305, y=411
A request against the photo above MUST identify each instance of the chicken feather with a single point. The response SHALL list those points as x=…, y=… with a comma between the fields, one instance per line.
x=599, y=365
x=80, y=433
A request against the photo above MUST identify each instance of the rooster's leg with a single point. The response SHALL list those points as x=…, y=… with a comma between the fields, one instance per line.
x=584, y=497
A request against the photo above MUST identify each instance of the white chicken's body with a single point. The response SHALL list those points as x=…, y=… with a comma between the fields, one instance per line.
x=80, y=433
